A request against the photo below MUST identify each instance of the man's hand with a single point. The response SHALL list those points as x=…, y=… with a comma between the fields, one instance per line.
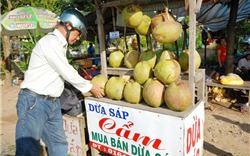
x=97, y=91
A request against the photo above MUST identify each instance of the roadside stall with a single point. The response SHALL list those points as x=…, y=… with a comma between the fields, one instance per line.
x=118, y=127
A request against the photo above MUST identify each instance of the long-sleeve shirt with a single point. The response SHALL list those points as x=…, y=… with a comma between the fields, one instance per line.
x=244, y=63
x=49, y=68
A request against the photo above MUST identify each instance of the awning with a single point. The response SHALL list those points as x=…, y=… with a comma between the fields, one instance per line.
x=216, y=16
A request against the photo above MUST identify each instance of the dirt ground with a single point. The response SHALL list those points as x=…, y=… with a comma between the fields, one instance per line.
x=226, y=131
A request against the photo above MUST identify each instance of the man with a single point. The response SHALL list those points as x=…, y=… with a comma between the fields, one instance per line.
x=245, y=61
x=38, y=105
x=244, y=66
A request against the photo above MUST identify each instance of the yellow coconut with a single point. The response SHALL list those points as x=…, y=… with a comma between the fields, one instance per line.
x=132, y=15
x=184, y=60
x=159, y=18
x=116, y=58
x=131, y=58
x=166, y=54
x=167, y=32
x=144, y=27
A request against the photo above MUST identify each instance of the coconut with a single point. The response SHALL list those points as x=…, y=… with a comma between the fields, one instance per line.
x=116, y=59
x=142, y=72
x=131, y=58
x=159, y=18
x=184, y=60
x=152, y=92
x=167, y=32
x=114, y=88
x=132, y=92
x=132, y=16
x=148, y=56
x=144, y=27
x=100, y=80
x=177, y=96
x=167, y=71
x=167, y=55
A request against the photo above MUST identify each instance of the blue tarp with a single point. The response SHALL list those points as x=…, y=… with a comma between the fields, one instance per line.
x=215, y=17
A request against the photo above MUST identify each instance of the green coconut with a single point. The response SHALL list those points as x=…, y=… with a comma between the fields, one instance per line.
x=144, y=27
x=184, y=60
x=114, y=88
x=167, y=55
x=100, y=80
x=177, y=96
x=152, y=92
x=132, y=15
x=167, y=71
x=132, y=92
x=167, y=32
x=142, y=72
x=131, y=58
x=116, y=59
x=162, y=17
x=148, y=56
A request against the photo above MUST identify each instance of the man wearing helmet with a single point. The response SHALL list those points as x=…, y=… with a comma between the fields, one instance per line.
x=38, y=105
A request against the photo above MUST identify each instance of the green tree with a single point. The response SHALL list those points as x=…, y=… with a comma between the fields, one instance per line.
x=54, y=5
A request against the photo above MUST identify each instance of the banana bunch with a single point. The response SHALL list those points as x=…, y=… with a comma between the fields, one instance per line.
x=219, y=90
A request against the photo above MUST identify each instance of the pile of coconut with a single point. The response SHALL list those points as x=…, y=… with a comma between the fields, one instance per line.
x=164, y=28
x=155, y=80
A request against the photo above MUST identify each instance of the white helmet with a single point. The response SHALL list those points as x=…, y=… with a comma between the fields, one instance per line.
x=76, y=19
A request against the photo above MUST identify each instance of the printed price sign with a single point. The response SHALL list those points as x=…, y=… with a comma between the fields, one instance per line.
x=124, y=131
x=114, y=34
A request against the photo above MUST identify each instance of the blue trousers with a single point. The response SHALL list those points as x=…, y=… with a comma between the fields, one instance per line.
x=39, y=118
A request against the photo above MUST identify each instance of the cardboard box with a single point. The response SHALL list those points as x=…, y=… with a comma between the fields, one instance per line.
x=85, y=63
x=74, y=128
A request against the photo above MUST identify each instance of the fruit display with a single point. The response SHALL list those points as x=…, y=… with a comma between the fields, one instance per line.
x=154, y=82
x=155, y=79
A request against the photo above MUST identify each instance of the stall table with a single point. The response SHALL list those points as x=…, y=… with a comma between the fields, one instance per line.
x=213, y=83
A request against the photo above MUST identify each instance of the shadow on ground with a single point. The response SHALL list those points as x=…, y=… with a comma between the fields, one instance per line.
x=216, y=151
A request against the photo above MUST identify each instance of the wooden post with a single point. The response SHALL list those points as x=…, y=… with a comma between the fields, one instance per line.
x=192, y=40
x=114, y=25
x=101, y=37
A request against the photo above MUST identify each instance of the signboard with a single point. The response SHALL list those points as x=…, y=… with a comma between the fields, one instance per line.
x=73, y=132
x=194, y=128
x=126, y=131
x=114, y=34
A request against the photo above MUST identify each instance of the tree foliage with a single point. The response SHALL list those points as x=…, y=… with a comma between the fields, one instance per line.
x=53, y=5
